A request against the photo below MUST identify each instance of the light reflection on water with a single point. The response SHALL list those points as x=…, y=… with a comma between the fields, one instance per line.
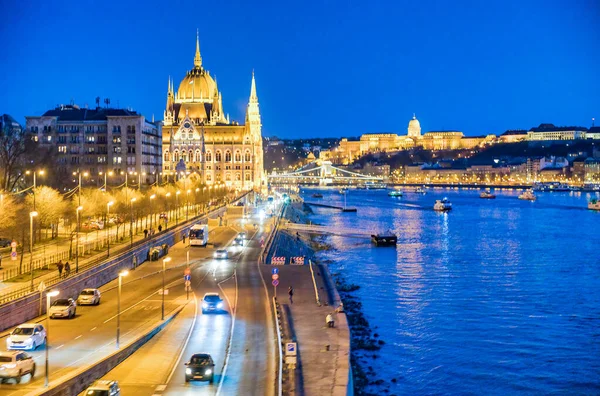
x=497, y=297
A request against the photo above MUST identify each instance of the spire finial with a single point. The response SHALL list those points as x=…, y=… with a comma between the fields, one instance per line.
x=253, y=97
x=414, y=116
x=197, y=58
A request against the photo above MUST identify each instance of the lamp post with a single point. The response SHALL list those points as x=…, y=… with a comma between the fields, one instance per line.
x=187, y=203
x=121, y=275
x=49, y=295
x=106, y=180
x=168, y=211
x=108, y=205
x=196, y=199
x=152, y=197
x=79, y=208
x=165, y=261
x=79, y=186
x=131, y=222
x=31, y=216
x=41, y=172
x=177, y=207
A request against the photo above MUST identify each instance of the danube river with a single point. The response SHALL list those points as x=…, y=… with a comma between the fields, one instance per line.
x=496, y=297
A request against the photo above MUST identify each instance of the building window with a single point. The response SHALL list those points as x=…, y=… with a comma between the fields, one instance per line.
x=247, y=156
x=247, y=176
x=228, y=177
x=117, y=139
x=238, y=156
x=191, y=156
x=62, y=149
x=218, y=156
x=208, y=177
x=198, y=157
x=184, y=156
x=176, y=156
x=238, y=177
x=166, y=156
x=227, y=156
x=208, y=156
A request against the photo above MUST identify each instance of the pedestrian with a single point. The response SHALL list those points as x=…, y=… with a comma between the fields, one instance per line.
x=291, y=293
x=67, y=269
x=184, y=237
x=159, y=227
x=60, y=268
x=145, y=233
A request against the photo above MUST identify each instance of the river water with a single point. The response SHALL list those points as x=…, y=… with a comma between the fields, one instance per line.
x=496, y=297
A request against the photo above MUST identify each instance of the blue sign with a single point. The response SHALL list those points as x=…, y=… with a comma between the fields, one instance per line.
x=187, y=277
x=275, y=271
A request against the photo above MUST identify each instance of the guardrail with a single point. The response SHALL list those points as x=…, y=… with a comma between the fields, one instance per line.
x=278, y=328
x=265, y=252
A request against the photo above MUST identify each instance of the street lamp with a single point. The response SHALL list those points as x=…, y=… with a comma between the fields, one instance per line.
x=41, y=172
x=121, y=275
x=108, y=205
x=153, y=196
x=187, y=203
x=79, y=186
x=49, y=295
x=196, y=199
x=165, y=261
x=79, y=208
x=177, y=207
x=31, y=216
x=168, y=211
x=131, y=223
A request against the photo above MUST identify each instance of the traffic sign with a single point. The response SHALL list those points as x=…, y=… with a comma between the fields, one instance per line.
x=187, y=277
x=274, y=270
x=274, y=276
x=13, y=256
x=275, y=282
x=290, y=349
x=41, y=287
x=13, y=244
x=160, y=292
x=187, y=271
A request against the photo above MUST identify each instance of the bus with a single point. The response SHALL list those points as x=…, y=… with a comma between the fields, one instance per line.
x=199, y=235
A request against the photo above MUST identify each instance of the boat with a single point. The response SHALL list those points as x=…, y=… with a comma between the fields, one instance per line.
x=375, y=186
x=551, y=187
x=528, y=195
x=594, y=204
x=395, y=193
x=386, y=239
x=342, y=191
x=442, y=205
x=486, y=194
x=420, y=190
x=317, y=195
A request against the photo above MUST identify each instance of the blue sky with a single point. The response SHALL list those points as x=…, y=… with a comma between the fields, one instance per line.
x=323, y=68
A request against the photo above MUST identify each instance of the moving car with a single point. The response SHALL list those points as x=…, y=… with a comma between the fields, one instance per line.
x=212, y=302
x=63, y=308
x=89, y=297
x=221, y=254
x=238, y=241
x=103, y=388
x=201, y=367
x=26, y=336
x=242, y=235
x=5, y=242
x=14, y=365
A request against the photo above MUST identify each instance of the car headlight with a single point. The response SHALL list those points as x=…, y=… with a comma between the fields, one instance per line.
x=208, y=372
x=204, y=305
x=215, y=255
x=188, y=371
x=220, y=305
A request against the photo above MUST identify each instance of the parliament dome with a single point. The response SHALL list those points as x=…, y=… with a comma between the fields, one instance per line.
x=197, y=84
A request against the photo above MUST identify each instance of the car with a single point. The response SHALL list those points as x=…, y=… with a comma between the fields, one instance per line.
x=221, y=254
x=89, y=297
x=103, y=388
x=5, y=242
x=238, y=241
x=201, y=367
x=212, y=302
x=242, y=235
x=14, y=365
x=63, y=308
x=26, y=336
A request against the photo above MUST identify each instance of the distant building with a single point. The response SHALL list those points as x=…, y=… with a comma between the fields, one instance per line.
x=593, y=133
x=549, y=132
x=9, y=126
x=442, y=140
x=592, y=170
x=513, y=136
x=99, y=140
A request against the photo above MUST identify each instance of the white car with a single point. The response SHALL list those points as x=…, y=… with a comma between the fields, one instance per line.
x=15, y=365
x=63, y=308
x=26, y=336
x=103, y=388
x=89, y=297
x=221, y=254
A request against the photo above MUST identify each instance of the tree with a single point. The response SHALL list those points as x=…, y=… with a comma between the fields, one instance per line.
x=10, y=214
x=50, y=205
x=12, y=147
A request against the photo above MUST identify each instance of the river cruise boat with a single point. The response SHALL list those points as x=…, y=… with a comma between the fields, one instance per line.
x=395, y=193
x=528, y=196
x=551, y=187
x=442, y=205
x=594, y=204
x=487, y=195
x=386, y=239
x=372, y=186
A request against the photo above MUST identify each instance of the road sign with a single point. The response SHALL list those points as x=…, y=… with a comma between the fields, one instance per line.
x=187, y=278
x=274, y=276
x=275, y=282
x=160, y=292
x=291, y=360
x=13, y=244
x=13, y=256
x=274, y=270
x=187, y=271
x=41, y=287
x=290, y=349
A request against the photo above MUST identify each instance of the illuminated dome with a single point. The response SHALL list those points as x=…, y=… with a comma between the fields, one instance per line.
x=197, y=84
x=414, y=127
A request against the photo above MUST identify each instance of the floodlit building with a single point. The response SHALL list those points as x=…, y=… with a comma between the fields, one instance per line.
x=549, y=132
x=199, y=138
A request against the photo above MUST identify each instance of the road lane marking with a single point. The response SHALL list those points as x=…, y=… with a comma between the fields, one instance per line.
x=78, y=337
x=95, y=328
x=226, y=363
x=58, y=347
x=161, y=388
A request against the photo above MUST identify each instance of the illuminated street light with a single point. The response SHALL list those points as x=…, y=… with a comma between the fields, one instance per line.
x=108, y=205
x=121, y=275
x=164, y=262
x=79, y=208
x=31, y=216
x=49, y=295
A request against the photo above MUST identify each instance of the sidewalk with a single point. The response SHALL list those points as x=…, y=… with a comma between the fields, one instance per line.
x=323, y=353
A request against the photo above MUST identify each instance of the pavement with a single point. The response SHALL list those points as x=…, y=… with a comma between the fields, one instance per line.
x=91, y=334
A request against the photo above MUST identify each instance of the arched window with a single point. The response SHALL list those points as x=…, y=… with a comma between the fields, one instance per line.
x=247, y=156
x=208, y=177
x=184, y=156
x=238, y=156
x=198, y=156
x=228, y=177
x=227, y=156
x=166, y=156
x=247, y=176
x=238, y=177
x=218, y=156
x=191, y=156
x=208, y=156
x=176, y=156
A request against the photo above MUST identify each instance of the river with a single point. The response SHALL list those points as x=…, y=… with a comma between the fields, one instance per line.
x=496, y=297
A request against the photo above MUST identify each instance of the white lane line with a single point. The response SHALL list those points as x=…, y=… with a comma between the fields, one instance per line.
x=94, y=328
x=160, y=388
x=175, y=366
x=60, y=346
x=78, y=337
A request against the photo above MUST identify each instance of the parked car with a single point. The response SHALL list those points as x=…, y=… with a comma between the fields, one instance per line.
x=89, y=297
x=5, y=242
x=212, y=302
x=201, y=367
x=63, y=308
x=97, y=225
x=103, y=388
x=14, y=365
x=221, y=254
x=26, y=336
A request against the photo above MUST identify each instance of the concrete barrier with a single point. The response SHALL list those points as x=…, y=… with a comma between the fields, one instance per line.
x=74, y=383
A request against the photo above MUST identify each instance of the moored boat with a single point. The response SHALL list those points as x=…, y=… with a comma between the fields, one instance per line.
x=594, y=204
x=420, y=190
x=528, y=196
x=487, y=195
x=442, y=205
x=395, y=193
x=386, y=239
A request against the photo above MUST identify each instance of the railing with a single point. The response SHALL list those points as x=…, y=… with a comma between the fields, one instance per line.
x=265, y=253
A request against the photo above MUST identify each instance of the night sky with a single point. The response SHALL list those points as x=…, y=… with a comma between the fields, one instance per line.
x=327, y=68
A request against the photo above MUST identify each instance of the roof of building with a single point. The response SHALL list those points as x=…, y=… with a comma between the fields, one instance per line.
x=76, y=113
x=553, y=128
x=594, y=129
x=514, y=132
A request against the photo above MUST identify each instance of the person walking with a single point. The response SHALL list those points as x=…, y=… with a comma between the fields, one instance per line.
x=60, y=268
x=67, y=269
x=291, y=294
x=183, y=237
x=159, y=227
x=145, y=233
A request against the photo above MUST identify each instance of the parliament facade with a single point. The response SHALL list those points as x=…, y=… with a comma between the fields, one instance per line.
x=200, y=140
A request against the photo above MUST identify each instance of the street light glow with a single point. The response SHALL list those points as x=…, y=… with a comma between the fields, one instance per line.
x=111, y=203
x=167, y=259
x=79, y=208
x=152, y=196
x=33, y=214
x=53, y=293
x=124, y=273
x=133, y=199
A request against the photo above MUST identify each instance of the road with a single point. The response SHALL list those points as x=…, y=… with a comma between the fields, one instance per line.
x=91, y=334
x=244, y=359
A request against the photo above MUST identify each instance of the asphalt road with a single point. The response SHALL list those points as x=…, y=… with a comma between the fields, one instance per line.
x=91, y=334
